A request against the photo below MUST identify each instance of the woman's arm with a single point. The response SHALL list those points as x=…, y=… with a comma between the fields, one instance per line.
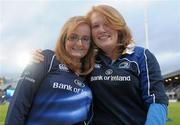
x=153, y=91
x=26, y=90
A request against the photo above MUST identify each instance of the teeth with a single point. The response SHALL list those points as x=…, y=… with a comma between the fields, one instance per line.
x=104, y=37
x=78, y=49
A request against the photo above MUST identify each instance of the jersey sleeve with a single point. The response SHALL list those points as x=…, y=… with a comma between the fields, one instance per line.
x=26, y=90
x=157, y=114
x=151, y=81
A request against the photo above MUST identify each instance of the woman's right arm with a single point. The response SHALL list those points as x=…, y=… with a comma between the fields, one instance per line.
x=26, y=90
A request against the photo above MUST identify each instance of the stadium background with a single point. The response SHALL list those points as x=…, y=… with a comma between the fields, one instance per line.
x=31, y=24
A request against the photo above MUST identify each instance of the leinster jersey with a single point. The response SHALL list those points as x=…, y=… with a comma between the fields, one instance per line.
x=123, y=89
x=49, y=94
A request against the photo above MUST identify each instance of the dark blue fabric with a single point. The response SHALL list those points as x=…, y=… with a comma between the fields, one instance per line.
x=58, y=97
x=123, y=89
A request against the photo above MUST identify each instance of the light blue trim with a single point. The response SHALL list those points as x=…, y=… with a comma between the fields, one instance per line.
x=157, y=114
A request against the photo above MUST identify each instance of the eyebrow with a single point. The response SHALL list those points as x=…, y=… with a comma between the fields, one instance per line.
x=78, y=35
x=94, y=23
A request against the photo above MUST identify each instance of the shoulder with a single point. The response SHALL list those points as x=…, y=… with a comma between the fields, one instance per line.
x=139, y=50
x=142, y=52
x=48, y=52
x=49, y=57
x=144, y=55
x=136, y=53
x=134, y=50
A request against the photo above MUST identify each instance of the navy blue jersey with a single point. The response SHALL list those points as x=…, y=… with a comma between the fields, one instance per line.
x=49, y=94
x=124, y=89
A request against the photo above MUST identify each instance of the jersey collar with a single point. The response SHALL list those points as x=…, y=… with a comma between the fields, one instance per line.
x=129, y=49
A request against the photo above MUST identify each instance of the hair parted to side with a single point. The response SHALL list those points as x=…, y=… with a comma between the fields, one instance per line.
x=115, y=20
x=87, y=63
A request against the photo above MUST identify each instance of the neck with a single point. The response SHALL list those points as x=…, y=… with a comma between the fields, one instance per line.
x=77, y=60
x=76, y=63
x=112, y=56
x=111, y=53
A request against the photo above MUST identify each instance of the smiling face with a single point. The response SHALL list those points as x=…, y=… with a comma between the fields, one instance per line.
x=78, y=41
x=103, y=35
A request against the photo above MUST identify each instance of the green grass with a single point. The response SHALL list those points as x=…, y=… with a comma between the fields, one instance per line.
x=173, y=113
x=3, y=110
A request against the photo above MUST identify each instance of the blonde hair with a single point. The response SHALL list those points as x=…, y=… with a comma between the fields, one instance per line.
x=116, y=21
x=86, y=64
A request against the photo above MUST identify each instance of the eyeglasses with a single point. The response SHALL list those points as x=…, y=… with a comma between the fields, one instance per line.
x=76, y=38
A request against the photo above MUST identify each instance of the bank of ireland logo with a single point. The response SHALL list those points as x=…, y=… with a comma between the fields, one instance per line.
x=108, y=71
x=124, y=64
x=79, y=83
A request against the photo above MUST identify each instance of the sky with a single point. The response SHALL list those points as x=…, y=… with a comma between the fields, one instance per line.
x=28, y=25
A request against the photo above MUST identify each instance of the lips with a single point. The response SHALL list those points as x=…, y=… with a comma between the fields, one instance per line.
x=104, y=37
x=77, y=49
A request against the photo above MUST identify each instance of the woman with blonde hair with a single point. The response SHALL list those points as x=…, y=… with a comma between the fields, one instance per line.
x=54, y=91
x=126, y=82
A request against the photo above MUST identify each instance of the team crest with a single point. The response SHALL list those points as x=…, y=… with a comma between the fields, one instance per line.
x=124, y=64
x=63, y=67
x=109, y=72
x=79, y=83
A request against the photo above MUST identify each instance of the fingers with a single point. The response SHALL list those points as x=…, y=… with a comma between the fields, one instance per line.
x=37, y=56
x=38, y=51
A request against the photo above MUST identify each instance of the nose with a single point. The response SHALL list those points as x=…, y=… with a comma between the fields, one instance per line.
x=79, y=42
x=101, y=28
